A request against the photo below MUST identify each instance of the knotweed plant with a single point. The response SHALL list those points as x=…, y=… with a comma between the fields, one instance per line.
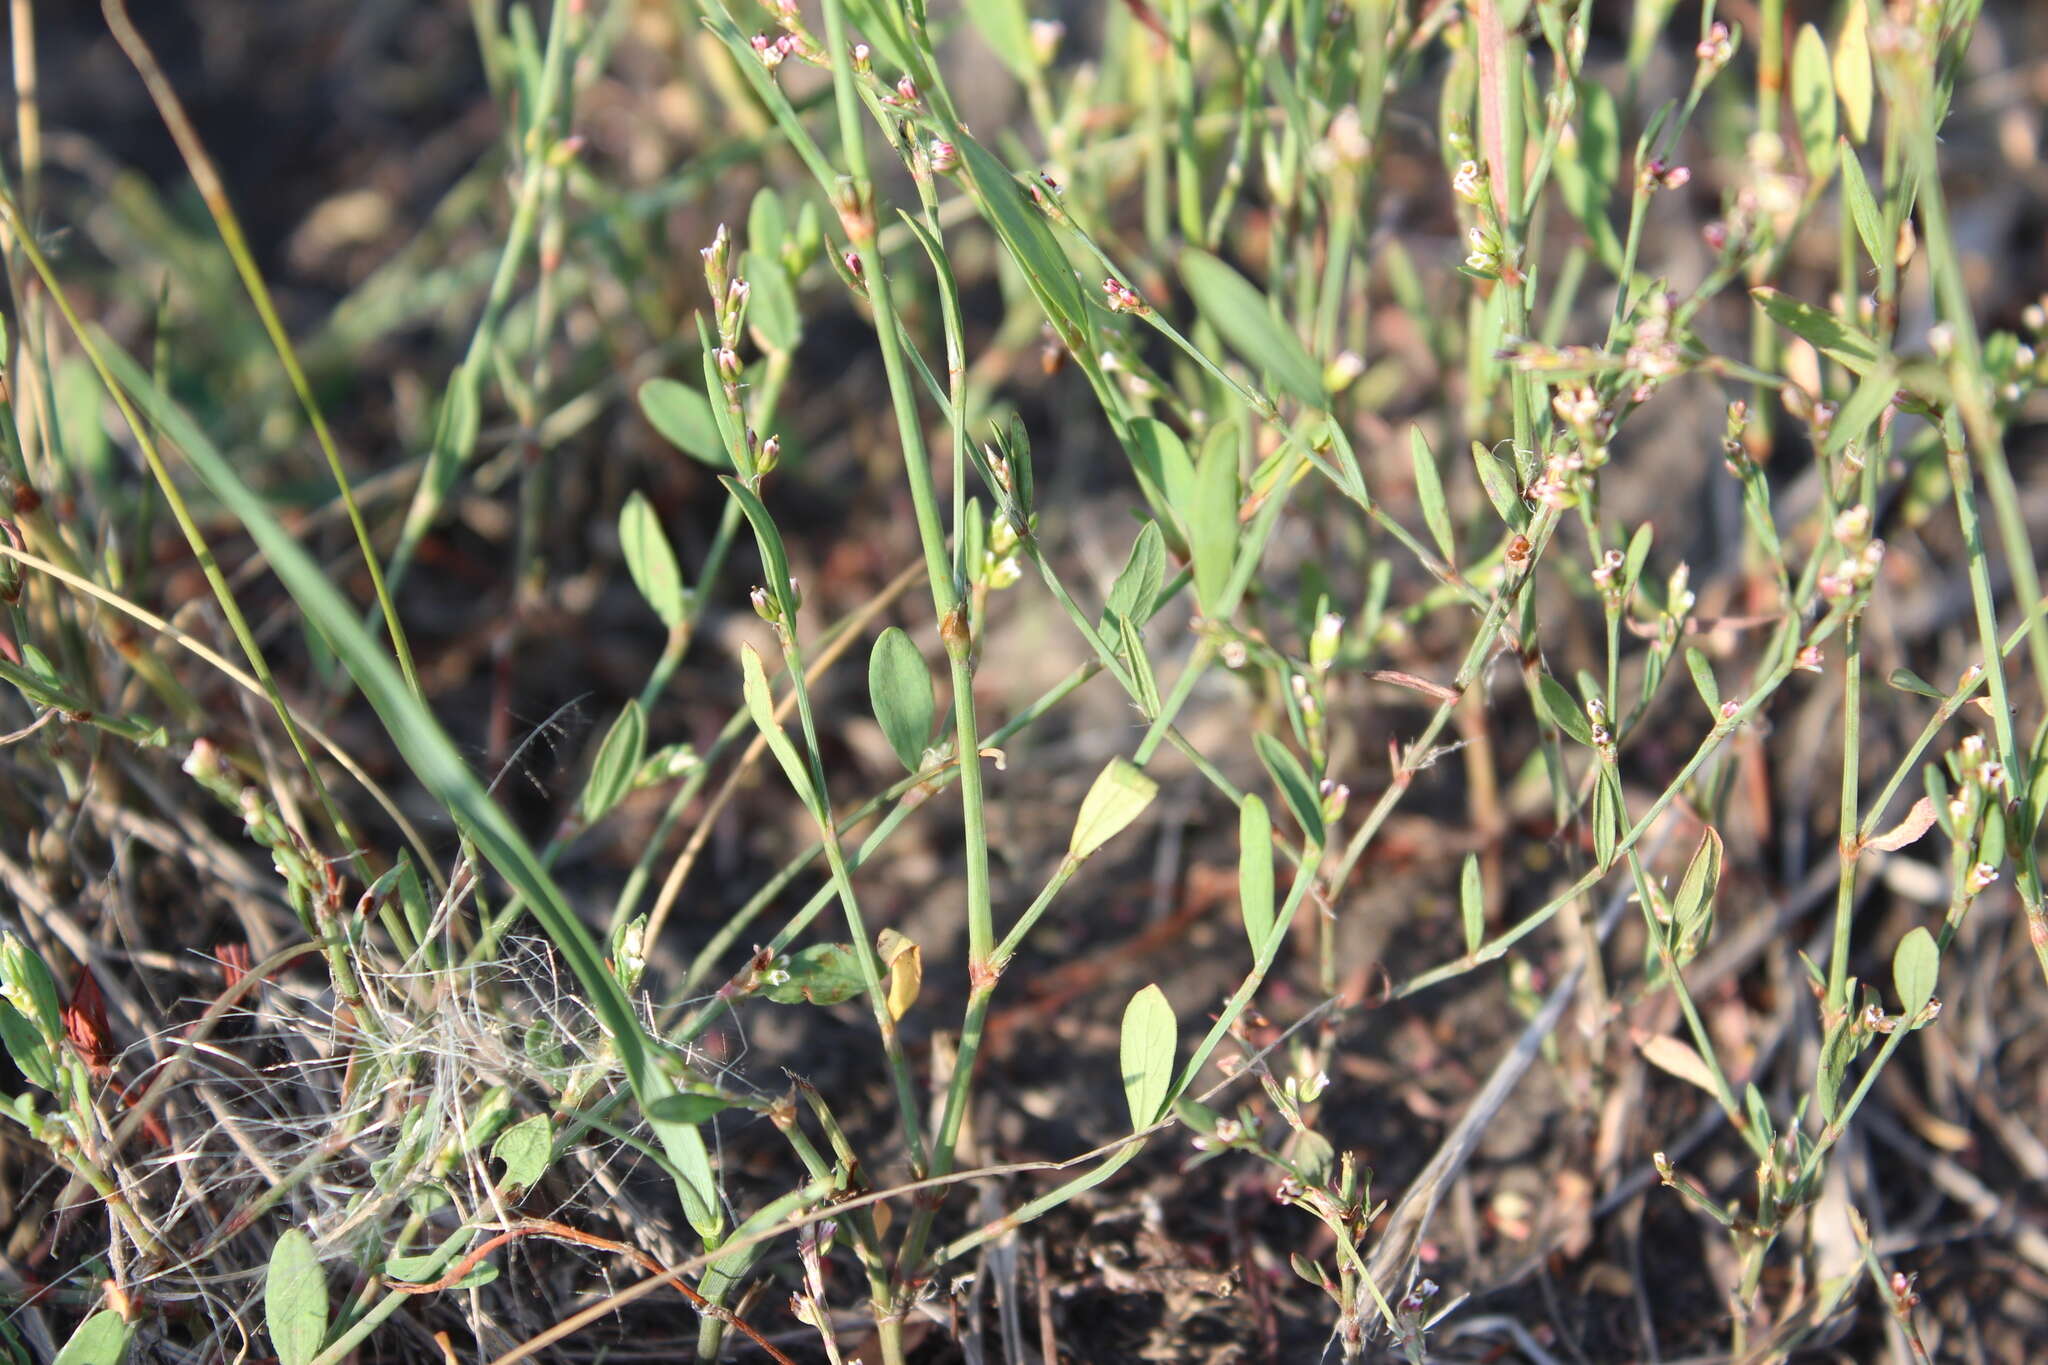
x=1472, y=478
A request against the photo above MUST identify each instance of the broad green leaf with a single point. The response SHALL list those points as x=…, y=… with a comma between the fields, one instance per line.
x=900, y=689
x=1829, y=334
x=1149, y=1040
x=771, y=303
x=1429, y=492
x=650, y=560
x=1813, y=102
x=1120, y=794
x=524, y=1149
x=761, y=706
x=1914, y=968
x=1853, y=76
x=1472, y=904
x=1027, y=237
x=25, y=1045
x=1497, y=477
x=618, y=759
x=295, y=1299
x=1162, y=463
x=1562, y=710
x=439, y=766
x=1212, y=523
x=101, y=1339
x=1255, y=871
x=1137, y=587
x=767, y=224
x=693, y=1106
x=1906, y=680
x=1703, y=679
x=1237, y=310
x=1003, y=25
x=822, y=974
x=684, y=418
x=1293, y=783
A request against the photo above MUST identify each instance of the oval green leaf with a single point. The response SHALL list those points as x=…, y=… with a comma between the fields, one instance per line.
x=295, y=1299
x=684, y=418
x=651, y=561
x=900, y=689
x=524, y=1149
x=1237, y=310
x=618, y=759
x=1149, y=1039
x=1915, y=966
x=1120, y=794
x=1255, y=871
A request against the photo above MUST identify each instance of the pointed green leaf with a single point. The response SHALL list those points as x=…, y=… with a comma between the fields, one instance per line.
x=1161, y=461
x=1587, y=165
x=295, y=1299
x=1137, y=587
x=618, y=759
x=524, y=1149
x=1813, y=102
x=24, y=1044
x=1606, y=821
x=1703, y=679
x=1638, y=555
x=1234, y=306
x=1119, y=796
x=1873, y=394
x=1693, y=906
x=1472, y=904
x=1255, y=871
x=1829, y=334
x=1024, y=233
x=1429, y=492
x=692, y=1106
x=1003, y=26
x=1863, y=210
x=761, y=706
x=1497, y=477
x=1149, y=1040
x=651, y=561
x=1212, y=523
x=684, y=418
x=822, y=974
x=1293, y=783
x=900, y=689
x=101, y=1339
x=1139, y=663
x=1906, y=680
x=1914, y=968
x=774, y=559
x=1562, y=710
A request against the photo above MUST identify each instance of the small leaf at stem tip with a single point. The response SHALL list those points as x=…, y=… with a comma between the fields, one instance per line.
x=1119, y=796
x=1693, y=906
x=618, y=760
x=900, y=689
x=1562, y=710
x=651, y=561
x=1914, y=968
x=1150, y=1037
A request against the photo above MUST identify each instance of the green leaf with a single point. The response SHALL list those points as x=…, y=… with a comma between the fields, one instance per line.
x=1161, y=461
x=1003, y=25
x=1587, y=166
x=1212, y=523
x=618, y=759
x=1472, y=904
x=1863, y=211
x=295, y=1299
x=771, y=303
x=650, y=560
x=1813, y=102
x=1497, y=477
x=1829, y=334
x=1606, y=821
x=1137, y=587
x=1255, y=872
x=1294, y=785
x=1026, y=236
x=767, y=224
x=1120, y=794
x=1914, y=968
x=1906, y=680
x=695, y=1106
x=1237, y=310
x=1692, y=908
x=822, y=974
x=524, y=1148
x=1873, y=394
x=1429, y=492
x=900, y=689
x=101, y=1339
x=1703, y=679
x=774, y=559
x=1562, y=710
x=441, y=770
x=428, y=1266
x=1638, y=555
x=1852, y=70
x=1149, y=1040
x=25, y=1045
x=1140, y=664
x=761, y=706
x=684, y=418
